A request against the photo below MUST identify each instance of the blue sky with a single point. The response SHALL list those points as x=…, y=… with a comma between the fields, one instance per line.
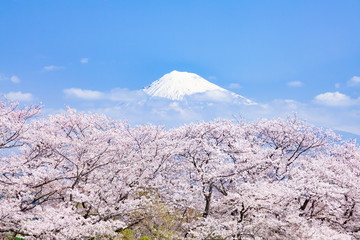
x=301, y=56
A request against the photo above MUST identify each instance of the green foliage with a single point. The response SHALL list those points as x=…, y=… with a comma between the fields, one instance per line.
x=127, y=234
x=145, y=238
x=158, y=220
x=11, y=236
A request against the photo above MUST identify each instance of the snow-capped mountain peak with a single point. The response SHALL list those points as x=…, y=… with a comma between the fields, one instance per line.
x=176, y=85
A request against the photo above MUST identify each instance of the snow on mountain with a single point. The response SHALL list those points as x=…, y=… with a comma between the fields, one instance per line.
x=177, y=85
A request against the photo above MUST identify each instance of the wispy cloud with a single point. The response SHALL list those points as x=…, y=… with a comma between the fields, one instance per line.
x=234, y=86
x=84, y=60
x=320, y=115
x=116, y=94
x=19, y=96
x=295, y=84
x=335, y=99
x=126, y=95
x=83, y=94
x=138, y=108
x=52, y=68
x=15, y=79
x=175, y=113
x=354, y=81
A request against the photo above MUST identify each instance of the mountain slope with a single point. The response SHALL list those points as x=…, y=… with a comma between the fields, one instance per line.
x=176, y=85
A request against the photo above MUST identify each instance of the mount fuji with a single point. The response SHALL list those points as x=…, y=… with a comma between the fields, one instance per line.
x=179, y=85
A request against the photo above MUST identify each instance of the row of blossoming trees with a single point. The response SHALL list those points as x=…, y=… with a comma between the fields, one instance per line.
x=85, y=176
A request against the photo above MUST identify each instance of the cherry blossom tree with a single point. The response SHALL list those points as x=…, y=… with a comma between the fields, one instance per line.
x=13, y=127
x=13, y=120
x=86, y=165
x=252, y=181
x=84, y=176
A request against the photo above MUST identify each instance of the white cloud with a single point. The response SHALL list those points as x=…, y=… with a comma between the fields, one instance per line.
x=52, y=68
x=234, y=86
x=334, y=99
x=137, y=108
x=295, y=84
x=19, y=96
x=354, y=81
x=116, y=94
x=210, y=96
x=84, y=60
x=15, y=79
x=83, y=94
x=123, y=94
x=343, y=119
